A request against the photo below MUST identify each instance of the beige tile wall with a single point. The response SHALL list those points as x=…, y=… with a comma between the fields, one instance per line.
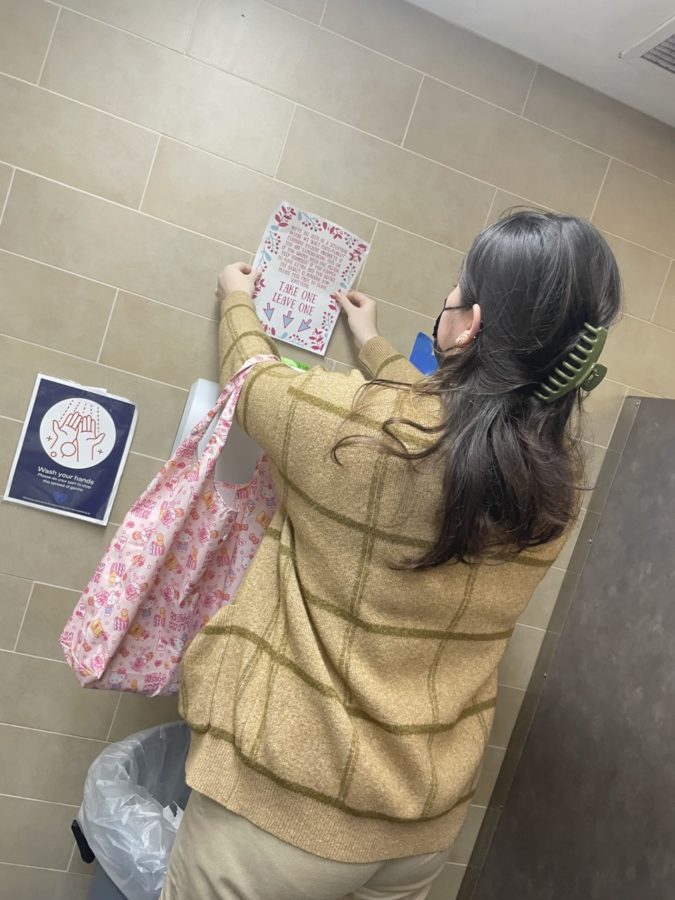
x=143, y=146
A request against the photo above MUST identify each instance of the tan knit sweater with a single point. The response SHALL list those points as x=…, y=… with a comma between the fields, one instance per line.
x=340, y=704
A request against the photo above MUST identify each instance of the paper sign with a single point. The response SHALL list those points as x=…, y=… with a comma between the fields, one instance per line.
x=304, y=259
x=72, y=450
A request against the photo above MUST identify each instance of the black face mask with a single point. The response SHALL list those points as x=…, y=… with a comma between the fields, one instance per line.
x=438, y=353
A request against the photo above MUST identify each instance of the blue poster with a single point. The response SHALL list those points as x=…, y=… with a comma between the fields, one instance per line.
x=72, y=450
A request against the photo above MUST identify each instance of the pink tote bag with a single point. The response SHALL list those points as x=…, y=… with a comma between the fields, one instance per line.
x=176, y=560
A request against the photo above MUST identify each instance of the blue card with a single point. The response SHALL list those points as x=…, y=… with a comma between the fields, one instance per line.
x=422, y=356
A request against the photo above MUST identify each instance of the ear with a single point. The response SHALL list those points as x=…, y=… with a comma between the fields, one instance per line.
x=472, y=332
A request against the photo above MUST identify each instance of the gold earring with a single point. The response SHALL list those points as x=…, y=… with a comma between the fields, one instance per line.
x=462, y=340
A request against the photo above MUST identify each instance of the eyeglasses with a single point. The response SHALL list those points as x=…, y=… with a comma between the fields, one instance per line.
x=459, y=306
x=447, y=309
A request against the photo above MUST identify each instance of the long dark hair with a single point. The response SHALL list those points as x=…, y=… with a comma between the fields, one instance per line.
x=511, y=464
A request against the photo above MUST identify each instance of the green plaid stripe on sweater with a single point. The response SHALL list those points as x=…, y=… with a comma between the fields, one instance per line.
x=341, y=704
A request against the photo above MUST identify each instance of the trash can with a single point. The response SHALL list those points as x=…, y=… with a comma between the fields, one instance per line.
x=134, y=797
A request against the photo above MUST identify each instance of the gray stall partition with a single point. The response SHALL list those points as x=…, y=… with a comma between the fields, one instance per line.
x=585, y=805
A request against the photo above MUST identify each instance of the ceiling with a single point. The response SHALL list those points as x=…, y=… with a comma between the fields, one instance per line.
x=579, y=38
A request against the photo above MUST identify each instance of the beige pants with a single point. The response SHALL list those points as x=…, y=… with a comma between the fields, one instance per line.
x=221, y=856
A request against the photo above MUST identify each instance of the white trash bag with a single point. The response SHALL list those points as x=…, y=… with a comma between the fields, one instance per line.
x=134, y=797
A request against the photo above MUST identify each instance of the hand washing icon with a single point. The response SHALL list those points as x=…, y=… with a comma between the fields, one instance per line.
x=77, y=433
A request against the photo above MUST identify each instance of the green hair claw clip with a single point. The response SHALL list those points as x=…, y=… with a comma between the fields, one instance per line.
x=579, y=369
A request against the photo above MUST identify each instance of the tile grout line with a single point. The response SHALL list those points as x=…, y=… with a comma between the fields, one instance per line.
x=192, y=29
x=38, y=800
x=158, y=459
x=9, y=189
x=114, y=716
x=23, y=618
x=188, y=312
x=338, y=34
x=49, y=46
x=198, y=315
x=273, y=4
x=605, y=447
x=529, y=90
x=670, y=183
x=147, y=180
x=246, y=168
x=46, y=869
x=210, y=319
x=59, y=587
x=602, y=184
x=414, y=312
x=67, y=734
x=218, y=240
x=50, y=659
x=70, y=858
x=209, y=65
x=240, y=165
x=364, y=267
x=515, y=686
x=107, y=284
x=323, y=14
x=648, y=322
x=533, y=627
x=107, y=325
x=175, y=387
x=661, y=292
x=492, y=206
x=117, y=203
x=415, y=234
x=18, y=422
x=285, y=141
x=103, y=112
x=139, y=37
x=635, y=243
x=266, y=175
x=505, y=109
x=412, y=113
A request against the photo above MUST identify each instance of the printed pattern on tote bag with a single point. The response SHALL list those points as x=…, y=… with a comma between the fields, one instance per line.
x=178, y=557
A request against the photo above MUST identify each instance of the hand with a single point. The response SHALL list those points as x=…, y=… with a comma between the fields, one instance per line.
x=361, y=312
x=237, y=277
x=63, y=441
x=88, y=437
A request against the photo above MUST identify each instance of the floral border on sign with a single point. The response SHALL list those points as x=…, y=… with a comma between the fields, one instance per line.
x=282, y=219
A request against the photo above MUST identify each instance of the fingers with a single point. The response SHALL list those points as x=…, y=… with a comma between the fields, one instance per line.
x=343, y=300
x=243, y=267
x=352, y=300
x=359, y=299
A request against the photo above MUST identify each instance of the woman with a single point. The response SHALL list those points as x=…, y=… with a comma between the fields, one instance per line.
x=341, y=707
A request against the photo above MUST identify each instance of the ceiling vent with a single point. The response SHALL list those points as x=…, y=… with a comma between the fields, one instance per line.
x=657, y=49
x=663, y=55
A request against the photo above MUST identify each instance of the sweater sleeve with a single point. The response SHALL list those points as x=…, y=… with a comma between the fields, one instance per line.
x=240, y=335
x=266, y=401
x=381, y=360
